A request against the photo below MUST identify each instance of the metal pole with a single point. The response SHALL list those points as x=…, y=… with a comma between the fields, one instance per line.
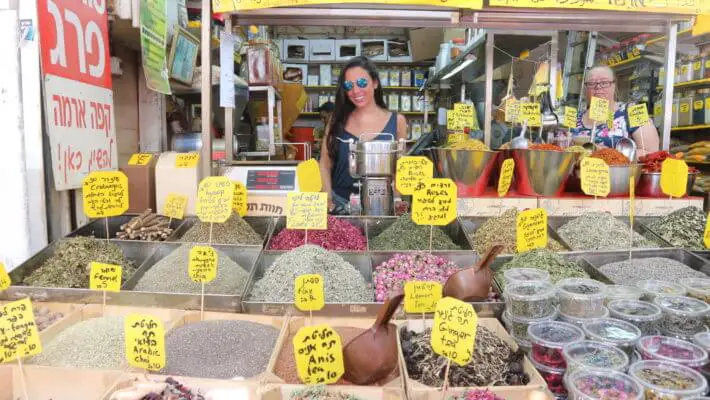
x=669, y=65
x=554, y=48
x=489, y=89
x=206, y=96
x=229, y=111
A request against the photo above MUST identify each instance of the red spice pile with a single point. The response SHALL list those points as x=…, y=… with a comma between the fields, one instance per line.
x=652, y=162
x=340, y=235
x=545, y=146
x=611, y=157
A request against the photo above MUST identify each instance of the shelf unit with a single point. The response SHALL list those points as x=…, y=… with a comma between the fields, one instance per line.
x=689, y=128
x=407, y=88
x=456, y=64
x=632, y=62
x=691, y=84
x=273, y=101
x=405, y=113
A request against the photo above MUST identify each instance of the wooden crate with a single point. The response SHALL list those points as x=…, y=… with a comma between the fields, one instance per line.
x=284, y=392
x=65, y=308
x=204, y=385
x=54, y=383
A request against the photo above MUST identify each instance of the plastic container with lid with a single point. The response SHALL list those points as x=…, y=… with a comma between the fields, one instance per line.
x=602, y=384
x=674, y=111
x=516, y=275
x=591, y=354
x=702, y=339
x=548, y=339
x=405, y=102
x=699, y=107
x=643, y=314
x=698, y=288
x=393, y=101
x=698, y=68
x=681, y=352
x=682, y=315
x=581, y=297
x=655, y=287
x=395, y=77
x=580, y=321
x=685, y=109
x=621, y=334
x=622, y=292
x=664, y=380
x=518, y=326
x=554, y=377
x=533, y=299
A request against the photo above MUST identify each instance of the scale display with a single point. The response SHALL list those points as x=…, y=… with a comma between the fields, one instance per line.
x=271, y=179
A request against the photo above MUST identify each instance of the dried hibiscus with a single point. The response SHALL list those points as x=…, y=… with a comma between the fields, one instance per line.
x=340, y=235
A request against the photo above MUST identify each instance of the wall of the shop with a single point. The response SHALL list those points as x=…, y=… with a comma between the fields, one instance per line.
x=125, y=102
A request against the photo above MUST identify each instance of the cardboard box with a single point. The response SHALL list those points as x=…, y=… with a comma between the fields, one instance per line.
x=303, y=47
x=345, y=49
x=380, y=44
x=425, y=43
x=322, y=50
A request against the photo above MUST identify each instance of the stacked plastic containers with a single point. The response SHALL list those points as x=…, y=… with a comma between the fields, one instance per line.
x=581, y=300
x=702, y=339
x=548, y=340
x=615, y=332
x=654, y=287
x=698, y=288
x=664, y=380
x=529, y=298
x=589, y=354
x=663, y=348
x=622, y=292
x=642, y=314
x=683, y=317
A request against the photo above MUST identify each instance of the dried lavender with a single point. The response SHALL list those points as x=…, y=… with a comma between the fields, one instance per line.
x=628, y=272
x=234, y=231
x=343, y=282
x=404, y=234
x=682, y=228
x=502, y=230
x=69, y=266
x=600, y=231
x=556, y=265
x=170, y=275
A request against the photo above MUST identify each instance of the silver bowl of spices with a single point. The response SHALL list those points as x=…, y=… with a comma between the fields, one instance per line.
x=591, y=354
x=642, y=314
x=664, y=380
x=580, y=297
x=678, y=351
x=602, y=384
x=682, y=316
x=654, y=287
x=613, y=331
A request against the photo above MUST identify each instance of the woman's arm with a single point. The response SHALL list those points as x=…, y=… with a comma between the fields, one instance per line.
x=402, y=127
x=646, y=138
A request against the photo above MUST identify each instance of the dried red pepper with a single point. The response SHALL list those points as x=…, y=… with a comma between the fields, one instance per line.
x=652, y=162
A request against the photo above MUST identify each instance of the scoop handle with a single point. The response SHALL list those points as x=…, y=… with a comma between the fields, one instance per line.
x=387, y=310
x=489, y=256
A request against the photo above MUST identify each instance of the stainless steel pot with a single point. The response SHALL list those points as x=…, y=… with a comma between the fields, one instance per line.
x=373, y=158
x=649, y=185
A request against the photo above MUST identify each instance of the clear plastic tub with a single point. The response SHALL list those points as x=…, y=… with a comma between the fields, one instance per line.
x=622, y=292
x=533, y=299
x=580, y=297
x=663, y=380
x=702, y=339
x=516, y=275
x=553, y=376
x=590, y=354
x=683, y=316
x=518, y=326
x=698, y=288
x=643, y=314
x=580, y=321
x=548, y=339
x=602, y=384
x=681, y=352
x=654, y=287
x=616, y=332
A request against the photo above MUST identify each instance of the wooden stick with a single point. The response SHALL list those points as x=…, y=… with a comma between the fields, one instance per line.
x=22, y=378
x=446, y=380
x=202, y=303
x=107, y=234
x=431, y=236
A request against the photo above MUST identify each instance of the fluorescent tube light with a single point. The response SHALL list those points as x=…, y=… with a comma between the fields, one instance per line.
x=458, y=69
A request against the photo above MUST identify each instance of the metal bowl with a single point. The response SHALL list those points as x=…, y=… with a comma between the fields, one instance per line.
x=470, y=169
x=619, y=178
x=649, y=184
x=542, y=172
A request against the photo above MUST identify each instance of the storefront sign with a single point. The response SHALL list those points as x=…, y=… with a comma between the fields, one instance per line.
x=421, y=296
x=106, y=277
x=78, y=101
x=144, y=342
x=411, y=170
x=674, y=177
x=454, y=332
x=305, y=210
x=319, y=355
x=308, y=292
x=154, y=38
x=202, y=264
x=595, y=177
x=638, y=114
x=221, y=6
x=531, y=230
x=105, y=194
x=434, y=202
x=239, y=202
x=649, y=6
x=19, y=336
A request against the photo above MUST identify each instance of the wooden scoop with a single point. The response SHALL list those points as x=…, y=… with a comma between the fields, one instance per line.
x=372, y=355
x=473, y=284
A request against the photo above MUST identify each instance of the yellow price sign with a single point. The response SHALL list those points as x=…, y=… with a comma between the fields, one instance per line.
x=454, y=333
x=595, y=177
x=307, y=210
x=214, y=199
x=701, y=25
x=434, y=202
x=467, y=114
x=105, y=194
x=144, y=341
x=570, y=117
x=512, y=110
x=19, y=335
x=454, y=122
x=5, y=280
x=308, y=174
x=638, y=114
x=308, y=292
x=187, y=160
x=531, y=230
x=706, y=236
x=174, y=206
x=239, y=201
x=599, y=109
x=457, y=137
x=506, y=177
x=140, y=159
x=658, y=109
x=106, y=277
x=202, y=264
x=319, y=355
x=421, y=296
x=674, y=177
x=411, y=170
x=530, y=112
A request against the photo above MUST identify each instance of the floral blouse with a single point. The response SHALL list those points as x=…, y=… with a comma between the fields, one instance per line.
x=604, y=134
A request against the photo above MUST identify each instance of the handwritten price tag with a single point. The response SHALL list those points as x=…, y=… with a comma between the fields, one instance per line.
x=144, y=342
x=531, y=230
x=140, y=159
x=467, y=114
x=105, y=277
x=105, y=194
x=595, y=177
x=319, y=355
x=506, y=177
x=638, y=114
x=308, y=174
x=512, y=110
x=202, y=265
x=308, y=292
x=214, y=199
x=421, y=296
x=306, y=210
x=454, y=333
x=706, y=237
x=239, y=201
x=5, y=280
x=599, y=109
x=187, y=160
x=19, y=336
x=174, y=206
x=454, y=122
x=674, y=177
x=434, y=202
x=456, y=138
x=570, y=117
x=411, y=170
x=531, y=112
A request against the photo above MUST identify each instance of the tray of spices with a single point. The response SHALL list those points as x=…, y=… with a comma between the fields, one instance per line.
x=347, y=282
x=163, y=281
x=392, y=270
x=663, y=380
x=160, y=387
x=147, y=226
x=343, y=234
x=60, y=271
x=682, y=228
x=600, y=231
x=238, y=231
x=401, y=233
x=330, y=392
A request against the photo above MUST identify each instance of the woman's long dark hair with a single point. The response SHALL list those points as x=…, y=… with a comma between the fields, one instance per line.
x=344, y=107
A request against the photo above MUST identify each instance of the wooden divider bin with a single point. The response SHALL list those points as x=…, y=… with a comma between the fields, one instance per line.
x=204, y=385
x=54, y=383
x=65, y=308
x=284, y=392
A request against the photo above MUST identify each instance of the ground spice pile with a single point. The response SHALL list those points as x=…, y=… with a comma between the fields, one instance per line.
x=340, y=235
x=682, y=228
x=611, y=157
x=502, y=230
x=404, y=234
x=234, y=231
x=556, y=265
x=628, y=272
x=600, y=231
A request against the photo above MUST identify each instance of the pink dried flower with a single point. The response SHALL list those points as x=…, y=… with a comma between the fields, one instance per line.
x=340, y=235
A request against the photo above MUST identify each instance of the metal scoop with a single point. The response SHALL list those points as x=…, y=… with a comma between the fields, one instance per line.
x=626, y=147
x=519, y=142
x=473, y=284
x=372, y=355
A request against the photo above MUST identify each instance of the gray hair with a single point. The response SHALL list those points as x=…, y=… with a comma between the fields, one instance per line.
x=602, y=67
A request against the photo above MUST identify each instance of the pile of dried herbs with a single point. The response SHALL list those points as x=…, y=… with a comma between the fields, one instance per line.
x=404, y=234
x=69, y=266
x=320, y=392
x=501, y=230
x=682, y=228
x=556, y=265
x=234, y=231
x=600, y=231
x=494, y=362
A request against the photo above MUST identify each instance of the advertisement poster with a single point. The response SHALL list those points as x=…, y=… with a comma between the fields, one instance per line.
x=154, y=37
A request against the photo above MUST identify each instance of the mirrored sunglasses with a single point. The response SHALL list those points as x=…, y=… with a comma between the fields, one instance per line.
x=361, y=83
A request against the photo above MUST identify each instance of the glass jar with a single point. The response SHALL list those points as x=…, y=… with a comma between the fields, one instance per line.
x=384, y=77
x=393, y=102
x=416, y=130
x=706, y=65
x=674, y=110
x=405, y=102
